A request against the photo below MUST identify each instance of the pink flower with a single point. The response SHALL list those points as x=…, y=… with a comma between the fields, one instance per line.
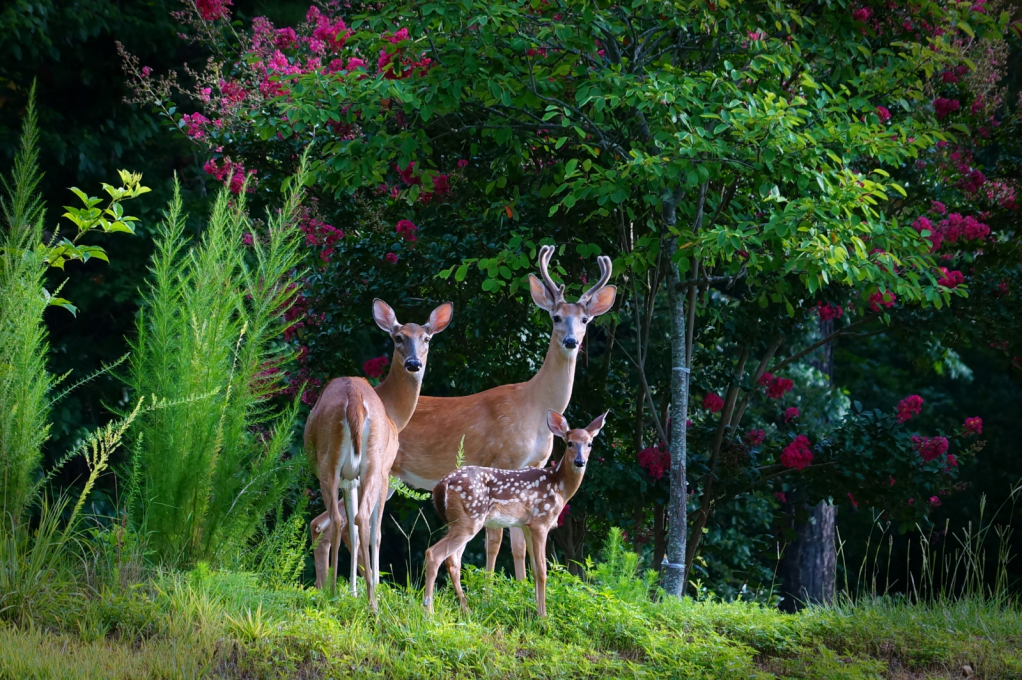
x=828, y=311
x=755, y=35
x=565, y=511
x=211, y=10
x=713, y=403
x=373, y=368
x=391, y=258
x=862, y=15
x=798, y=454
x=246, y=238
x=765, y=379
x=791, y=414
x=951, y=462
x=930, y=448
x=407, y=174
x=462, y=163
x=934, y=502
x=909, y=406
x=938, y=207
x=285, y=38
x=855, y=504
x=146, y=71
x=973, y=425
x=945, y=107
x=655, y=460
x=778, y=387
x=406, y=228
x=779, y=495
x=755, y=437
x=883, y=114
x=949, y=77
x=878, y=299
x=950, y=279
x=194, y=125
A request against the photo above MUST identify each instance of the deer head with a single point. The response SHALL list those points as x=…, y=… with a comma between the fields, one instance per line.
x=579, y=442
x=411, y=341
x=571, y=319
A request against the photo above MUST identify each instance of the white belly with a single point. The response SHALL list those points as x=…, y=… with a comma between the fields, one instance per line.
x=500, y=521
x=415, y=481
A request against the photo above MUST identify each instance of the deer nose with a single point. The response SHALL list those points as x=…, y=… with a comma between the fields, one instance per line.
x=570, y=343
x=413, y=365
x=579, y=460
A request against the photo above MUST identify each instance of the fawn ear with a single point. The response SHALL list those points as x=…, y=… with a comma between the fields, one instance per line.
x=557, y=423
x=594, y=427
x=602, y=301
x=541, y=295
x=385, y=317
x=440, y=318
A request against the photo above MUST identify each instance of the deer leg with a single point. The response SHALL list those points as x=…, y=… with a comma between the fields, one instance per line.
x=374, y=531
x=454, y=569
x=493, y=539
x=518, y=548
x=351, y=506
x=370, y=496
x=537, y=546
x=532, y=553
x=435, y=556
x=322, y=532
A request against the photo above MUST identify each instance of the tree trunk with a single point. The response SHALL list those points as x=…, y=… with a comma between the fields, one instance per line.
x=809, y=567
x=674, y=571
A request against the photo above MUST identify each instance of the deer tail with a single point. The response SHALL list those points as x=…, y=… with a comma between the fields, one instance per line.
x=356, y=414
x=440, y=500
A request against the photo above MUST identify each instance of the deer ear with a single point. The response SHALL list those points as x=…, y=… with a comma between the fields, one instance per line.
x=440, y=318
x=557, y=423
x=541, y=295
x=385, y=317
x=594, y=427
x=602, y=301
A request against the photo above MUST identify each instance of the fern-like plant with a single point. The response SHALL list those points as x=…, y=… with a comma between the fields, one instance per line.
x=24, y=382
x=204, y=475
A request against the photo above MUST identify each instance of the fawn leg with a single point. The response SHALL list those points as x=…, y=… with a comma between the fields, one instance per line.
x=435, y=556
x=538, y=549
x=454, y=569
x=493, y=539
x=518, y=547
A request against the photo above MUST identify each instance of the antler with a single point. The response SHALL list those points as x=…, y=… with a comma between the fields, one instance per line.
x=605, y=270
x=545, y=253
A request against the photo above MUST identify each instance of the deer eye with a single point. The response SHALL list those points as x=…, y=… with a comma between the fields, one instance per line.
x=399, y=339
x=557, y=318
x=425, y=339
x=585, y=319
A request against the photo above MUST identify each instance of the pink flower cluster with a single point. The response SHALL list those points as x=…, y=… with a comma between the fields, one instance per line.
x=828, y=311
x=373, y=368
x=878, y=300
x=862, y=14
x=195, y=125
x=755, y=437
x=321, y=234
x=944, y=107
x=909, y=406
x=950, y=279
x=655, y=460
x=407, y=229
x=791, y=414
x=211, y=10
x=329, y=33
x=883, y=114
x=713, y=403
x=930, y=448
x=798, y=454
x=395, y=66
x=776, y=387
x=390, y=258
x=951, y=229
x=973, y=425
x=235, y=171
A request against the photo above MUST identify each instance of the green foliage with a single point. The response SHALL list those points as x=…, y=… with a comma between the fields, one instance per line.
x=24, y=381
x=205, y=473
x=618, y=571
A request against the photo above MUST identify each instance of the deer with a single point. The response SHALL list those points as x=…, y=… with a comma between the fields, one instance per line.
x=351, y=439
x=530, y=499
x=504, y=426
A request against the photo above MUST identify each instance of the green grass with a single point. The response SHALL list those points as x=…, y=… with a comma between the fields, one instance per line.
x=226, y=624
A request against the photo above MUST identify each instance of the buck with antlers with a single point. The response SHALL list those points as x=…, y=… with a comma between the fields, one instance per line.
x=351, y=438
x=504, y=427
x=531, y=499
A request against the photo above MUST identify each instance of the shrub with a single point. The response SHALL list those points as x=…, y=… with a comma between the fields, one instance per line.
x=205, y=473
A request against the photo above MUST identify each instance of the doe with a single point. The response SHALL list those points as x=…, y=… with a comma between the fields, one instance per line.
x=471, y=498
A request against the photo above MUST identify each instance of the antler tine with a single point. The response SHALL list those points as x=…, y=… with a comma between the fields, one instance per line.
x=545, y=253
x=605, y=270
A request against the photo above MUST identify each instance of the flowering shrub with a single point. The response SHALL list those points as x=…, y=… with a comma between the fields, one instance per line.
x=655, y=460
x=713, y=403
x=798, y=454
x=374, y=367
x=973, y=425
x=908, y=407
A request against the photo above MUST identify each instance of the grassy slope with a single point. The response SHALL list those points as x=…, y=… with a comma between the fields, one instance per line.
x=227, y=625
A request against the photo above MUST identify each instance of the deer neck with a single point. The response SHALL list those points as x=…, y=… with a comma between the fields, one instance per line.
x=569, y=474
x=551, y=386
x=399, y=393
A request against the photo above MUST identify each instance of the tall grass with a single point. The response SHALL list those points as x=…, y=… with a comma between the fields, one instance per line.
x=24, y=382
x=204, y=474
